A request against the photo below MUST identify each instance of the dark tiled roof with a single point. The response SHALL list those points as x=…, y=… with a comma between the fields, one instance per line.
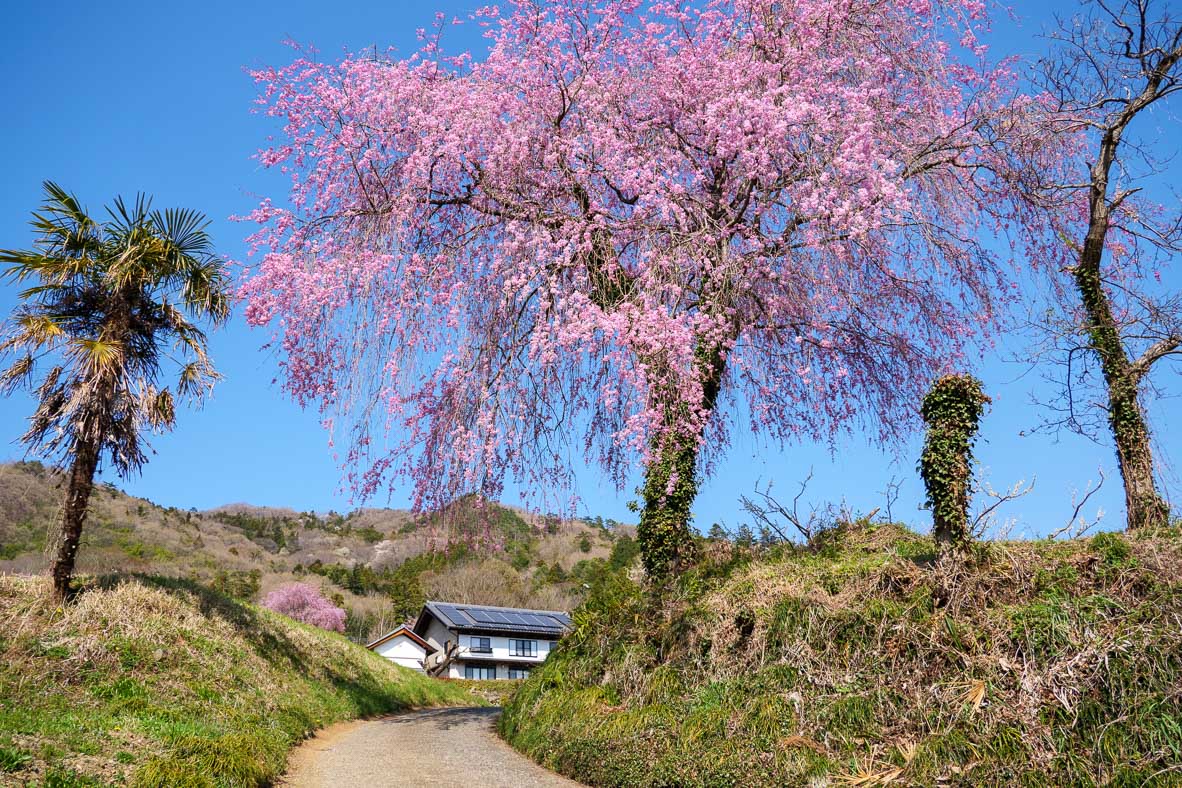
x=486, y=618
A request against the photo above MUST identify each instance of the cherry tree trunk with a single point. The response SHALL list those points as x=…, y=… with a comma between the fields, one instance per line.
x=81, y=482
x=671, y=484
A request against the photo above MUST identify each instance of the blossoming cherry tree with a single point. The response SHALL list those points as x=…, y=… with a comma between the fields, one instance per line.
x=630, y=229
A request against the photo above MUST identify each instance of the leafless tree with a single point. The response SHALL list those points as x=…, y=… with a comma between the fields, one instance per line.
x=891, y=494
x=1113, y=67
x=990, y=501
x=1077, y=524
x=770, y=513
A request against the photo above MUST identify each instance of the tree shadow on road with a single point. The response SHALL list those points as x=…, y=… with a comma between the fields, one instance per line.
x=446, y=719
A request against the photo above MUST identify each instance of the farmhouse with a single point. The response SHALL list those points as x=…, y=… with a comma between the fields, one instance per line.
x=485, y=642
x=403, y=647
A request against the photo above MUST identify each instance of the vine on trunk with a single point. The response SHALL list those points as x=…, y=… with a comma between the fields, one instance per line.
x=952, y=410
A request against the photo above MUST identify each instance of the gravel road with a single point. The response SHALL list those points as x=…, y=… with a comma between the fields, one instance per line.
x=434, y=747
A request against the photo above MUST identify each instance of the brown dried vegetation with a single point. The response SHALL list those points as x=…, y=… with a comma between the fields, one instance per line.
x=867, y=659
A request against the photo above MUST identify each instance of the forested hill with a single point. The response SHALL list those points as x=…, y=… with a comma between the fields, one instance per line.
x=378, y=563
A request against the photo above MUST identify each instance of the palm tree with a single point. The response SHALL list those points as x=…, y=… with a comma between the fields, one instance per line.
x=104, y=305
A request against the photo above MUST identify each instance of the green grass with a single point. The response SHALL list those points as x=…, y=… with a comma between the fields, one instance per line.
x=861, y=657
x=161, y=682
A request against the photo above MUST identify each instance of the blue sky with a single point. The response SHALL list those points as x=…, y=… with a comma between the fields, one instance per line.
x=115, y=98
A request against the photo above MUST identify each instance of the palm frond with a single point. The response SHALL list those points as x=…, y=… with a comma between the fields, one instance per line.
x=159, y=409
x=52, y=268
x=50, y=382
x=64, y=203
x=44, y=292
x=64, y=224
x=124, y=221
x=206, y=292
x=16, y=374
x=197, y=379
x=189, y=336
x=97, y=356
x=186, y=229
x=39, y=329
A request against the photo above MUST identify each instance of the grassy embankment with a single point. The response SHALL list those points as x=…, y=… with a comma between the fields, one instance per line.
x=863, y=661
x=162, y=682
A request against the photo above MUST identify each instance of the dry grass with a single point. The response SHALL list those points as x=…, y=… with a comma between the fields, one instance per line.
x=162, y=682
x=493, y=582
x=863, y=660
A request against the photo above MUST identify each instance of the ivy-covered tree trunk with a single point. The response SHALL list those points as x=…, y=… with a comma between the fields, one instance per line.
x=671, y=484
x=952, y=409
x=1130, y=431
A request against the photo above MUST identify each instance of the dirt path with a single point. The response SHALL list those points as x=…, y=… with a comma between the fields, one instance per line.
x=435, y=747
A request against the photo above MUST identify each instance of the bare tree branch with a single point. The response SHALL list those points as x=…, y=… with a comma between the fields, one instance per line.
x=1077, y=525
x=769, y=512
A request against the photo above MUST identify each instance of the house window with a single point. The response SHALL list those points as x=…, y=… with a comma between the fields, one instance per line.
x=523, y=648
x=518, y=673
x=481, y=646
x=480, y=672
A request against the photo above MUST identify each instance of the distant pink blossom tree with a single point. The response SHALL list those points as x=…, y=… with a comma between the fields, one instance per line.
x=631, y=229
x=304, y=603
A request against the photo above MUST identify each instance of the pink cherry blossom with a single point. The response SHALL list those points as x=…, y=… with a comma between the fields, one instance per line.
x=499, y=268
x=304, y=603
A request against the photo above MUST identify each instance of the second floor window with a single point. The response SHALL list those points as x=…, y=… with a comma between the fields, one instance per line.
x=523, y=648
x=481, y=646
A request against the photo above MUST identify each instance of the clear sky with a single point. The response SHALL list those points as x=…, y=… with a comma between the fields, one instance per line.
x=115, y=98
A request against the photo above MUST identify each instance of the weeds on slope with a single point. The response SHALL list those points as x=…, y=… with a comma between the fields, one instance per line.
x=861, y=659
x=162, y=682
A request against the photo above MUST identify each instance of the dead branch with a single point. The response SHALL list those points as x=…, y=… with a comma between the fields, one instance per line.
x=770, y=513
x=1077, y=525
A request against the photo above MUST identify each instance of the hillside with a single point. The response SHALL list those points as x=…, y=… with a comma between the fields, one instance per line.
x=378, y=563
x=861, y=660
x=160, y=682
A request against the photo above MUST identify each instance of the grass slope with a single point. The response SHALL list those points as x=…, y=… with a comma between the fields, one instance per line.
x=863, y=661
x=162, y=682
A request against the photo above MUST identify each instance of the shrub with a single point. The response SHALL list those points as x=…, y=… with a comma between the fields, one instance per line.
x=303, y=602
x=624, y=551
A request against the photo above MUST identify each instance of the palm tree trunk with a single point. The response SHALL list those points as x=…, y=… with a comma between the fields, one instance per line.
x=81, y=482
x=1144, y=506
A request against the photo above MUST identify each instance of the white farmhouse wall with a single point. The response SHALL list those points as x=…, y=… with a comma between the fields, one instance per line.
x=500, y=649
x=438, y=635
x=456, y=669
x=403, y=651
x=501, y=654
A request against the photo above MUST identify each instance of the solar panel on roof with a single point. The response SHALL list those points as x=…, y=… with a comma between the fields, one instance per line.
x=483, y=616
x=504, y=620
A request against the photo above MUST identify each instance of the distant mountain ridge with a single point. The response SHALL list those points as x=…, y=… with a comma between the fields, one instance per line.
x=378, y=563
